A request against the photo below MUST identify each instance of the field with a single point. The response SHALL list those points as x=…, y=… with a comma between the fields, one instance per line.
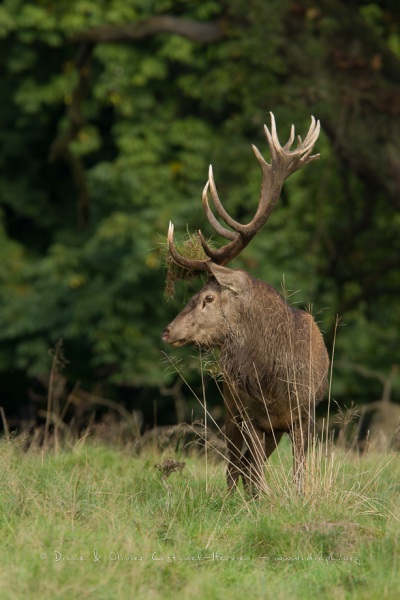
x=93, y=521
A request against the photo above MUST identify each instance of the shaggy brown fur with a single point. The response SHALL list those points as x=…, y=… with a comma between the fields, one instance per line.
x=273, y=360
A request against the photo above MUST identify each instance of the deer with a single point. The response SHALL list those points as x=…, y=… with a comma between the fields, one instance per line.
x=272, y=356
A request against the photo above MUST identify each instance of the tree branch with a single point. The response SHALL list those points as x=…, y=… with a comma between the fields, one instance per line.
x=60, y=148
x=133, y=32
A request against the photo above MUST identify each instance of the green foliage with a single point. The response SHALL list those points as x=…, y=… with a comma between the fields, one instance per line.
x=108, y=507
x=153, y=115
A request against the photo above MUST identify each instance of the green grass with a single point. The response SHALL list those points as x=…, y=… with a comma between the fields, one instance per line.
x=139, y=539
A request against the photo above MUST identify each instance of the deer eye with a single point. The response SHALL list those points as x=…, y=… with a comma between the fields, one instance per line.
x=208, y=299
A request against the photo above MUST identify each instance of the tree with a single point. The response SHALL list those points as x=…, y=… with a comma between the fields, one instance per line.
x=115, y=111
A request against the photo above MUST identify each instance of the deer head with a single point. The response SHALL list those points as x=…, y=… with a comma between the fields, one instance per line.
x=209, y=315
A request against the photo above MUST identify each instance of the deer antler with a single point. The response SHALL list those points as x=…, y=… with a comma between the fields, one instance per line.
x=284, y=162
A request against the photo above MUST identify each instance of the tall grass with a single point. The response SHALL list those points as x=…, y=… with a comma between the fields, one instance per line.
x=139, y=539
x=81, y=519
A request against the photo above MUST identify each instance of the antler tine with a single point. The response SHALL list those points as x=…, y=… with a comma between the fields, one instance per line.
x=182, y=261
x=308, y=144
x=271, y=142
x=212, y=253
x=218, y=205
x=313, y=133
x=274, y=136
x=215, y=224
x=291, y=139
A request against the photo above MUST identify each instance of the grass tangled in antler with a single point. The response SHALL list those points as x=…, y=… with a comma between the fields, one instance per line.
x=190, y=247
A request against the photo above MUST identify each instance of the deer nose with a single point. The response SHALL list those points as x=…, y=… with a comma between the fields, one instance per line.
x=165, y=334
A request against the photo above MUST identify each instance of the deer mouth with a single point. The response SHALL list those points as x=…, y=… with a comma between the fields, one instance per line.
x=166, y=338
x=177, y=343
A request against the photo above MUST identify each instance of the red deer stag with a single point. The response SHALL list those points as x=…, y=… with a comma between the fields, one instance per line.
x=272, y=356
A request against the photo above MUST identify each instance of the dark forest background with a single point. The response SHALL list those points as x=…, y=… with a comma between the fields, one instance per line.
x=111, y=112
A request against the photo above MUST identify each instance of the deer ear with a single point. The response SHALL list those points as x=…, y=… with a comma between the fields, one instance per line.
x=235, y=281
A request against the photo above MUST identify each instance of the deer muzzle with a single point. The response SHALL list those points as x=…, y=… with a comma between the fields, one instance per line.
x=166, y=337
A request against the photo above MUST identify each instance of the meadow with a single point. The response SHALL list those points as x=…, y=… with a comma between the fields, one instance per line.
x=100, y=521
